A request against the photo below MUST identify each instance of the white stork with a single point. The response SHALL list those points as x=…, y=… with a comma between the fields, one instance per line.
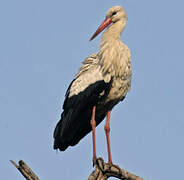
x=102, y=82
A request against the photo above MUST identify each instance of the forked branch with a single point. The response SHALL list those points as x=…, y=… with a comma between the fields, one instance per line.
x=104, y=170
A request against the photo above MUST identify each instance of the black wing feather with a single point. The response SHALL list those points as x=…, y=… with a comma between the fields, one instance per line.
x=75, y=119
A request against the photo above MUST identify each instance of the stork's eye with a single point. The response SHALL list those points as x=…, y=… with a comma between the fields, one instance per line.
x=114, y=13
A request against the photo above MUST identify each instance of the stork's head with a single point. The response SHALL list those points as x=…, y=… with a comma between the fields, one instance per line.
x=113, y=15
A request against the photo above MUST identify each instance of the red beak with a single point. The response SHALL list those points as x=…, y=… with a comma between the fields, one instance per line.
x=104, y=24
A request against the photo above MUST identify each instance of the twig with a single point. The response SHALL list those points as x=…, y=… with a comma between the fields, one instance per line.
x=25, y=170
x=104, y=170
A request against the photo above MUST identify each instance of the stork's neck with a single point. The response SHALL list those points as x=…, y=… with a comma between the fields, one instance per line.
x=111, y=49
x=114, y=31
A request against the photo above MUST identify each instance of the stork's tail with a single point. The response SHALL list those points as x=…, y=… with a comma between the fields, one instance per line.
x=60, y=142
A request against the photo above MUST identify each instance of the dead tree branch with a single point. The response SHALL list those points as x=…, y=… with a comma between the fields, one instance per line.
x=25, y=170
x=104, y=170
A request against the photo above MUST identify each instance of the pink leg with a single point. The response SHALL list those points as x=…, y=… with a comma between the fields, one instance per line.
x=93, y=125
x=107, y=131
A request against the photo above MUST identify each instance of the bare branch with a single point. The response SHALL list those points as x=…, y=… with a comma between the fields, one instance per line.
x=104, y=170
x=25, y=170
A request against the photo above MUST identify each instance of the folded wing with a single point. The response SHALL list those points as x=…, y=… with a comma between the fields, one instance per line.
x=85, y=91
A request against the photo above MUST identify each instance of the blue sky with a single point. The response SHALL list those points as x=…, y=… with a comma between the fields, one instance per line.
x=42, y=44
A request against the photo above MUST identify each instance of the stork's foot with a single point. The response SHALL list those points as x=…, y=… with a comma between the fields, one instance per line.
x=94, y=161
x=98, y=161
x=109, y=166
x=112, y=166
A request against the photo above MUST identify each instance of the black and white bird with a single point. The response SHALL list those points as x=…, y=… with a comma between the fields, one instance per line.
x=102, y=82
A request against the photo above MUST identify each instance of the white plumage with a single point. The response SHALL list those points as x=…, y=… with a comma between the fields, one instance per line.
x=102, y=81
